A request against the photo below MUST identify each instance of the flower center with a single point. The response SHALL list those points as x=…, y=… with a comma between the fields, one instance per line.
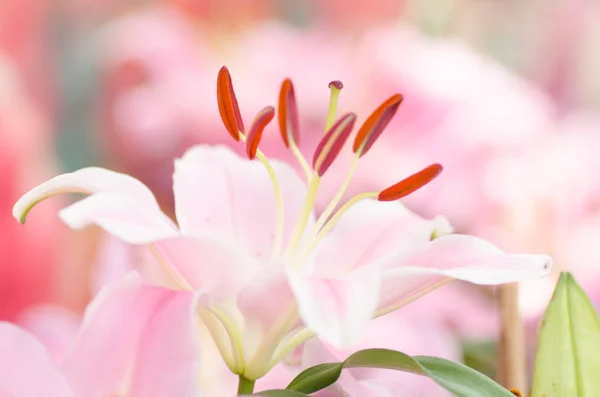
x=302, y=243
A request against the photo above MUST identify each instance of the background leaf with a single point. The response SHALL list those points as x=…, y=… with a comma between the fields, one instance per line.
x=568, y=357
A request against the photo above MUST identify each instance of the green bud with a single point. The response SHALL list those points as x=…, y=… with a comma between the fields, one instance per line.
x=567, y=362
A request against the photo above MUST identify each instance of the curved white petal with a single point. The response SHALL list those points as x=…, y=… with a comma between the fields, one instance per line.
x=461, y=257
x=88, y=181
x=122, y=216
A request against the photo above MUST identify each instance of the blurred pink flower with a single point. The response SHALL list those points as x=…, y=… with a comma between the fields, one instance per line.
x=28, y=258
x=22, y=359
x=354, y=15
x=135, y=340
x=227, y=246
x=461, y=109
x=24, y=41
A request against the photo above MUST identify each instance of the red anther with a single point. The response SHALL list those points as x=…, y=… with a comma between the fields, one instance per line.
x=228, y=106
x=288, y=113
x=261, y=120
x=331, y=144
x=410, y=184
x=375, y=124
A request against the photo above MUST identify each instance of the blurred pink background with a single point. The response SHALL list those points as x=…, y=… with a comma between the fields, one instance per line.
x=504, y=94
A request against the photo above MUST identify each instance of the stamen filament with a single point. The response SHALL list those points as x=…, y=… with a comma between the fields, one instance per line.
x=170, y=271
x=295, y=341
x=302, y=160
x=332, y=222
x=278, y=242
x=309, y=202
x=336, y=87
x=234, y=337
x=386, y=310
x=338, y=196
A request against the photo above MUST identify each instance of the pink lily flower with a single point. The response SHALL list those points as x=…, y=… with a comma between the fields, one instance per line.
x=268, y=275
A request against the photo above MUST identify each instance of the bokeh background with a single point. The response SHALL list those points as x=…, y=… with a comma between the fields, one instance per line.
x=505, y=94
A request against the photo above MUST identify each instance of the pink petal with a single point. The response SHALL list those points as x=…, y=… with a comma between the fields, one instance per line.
x=117, y=324
x=54, y=326
x=208, y=263
x=26, y=368
x=86, y=180
x=371, y=230
x=456, y=256
x=337, y=309
x=167, y=362
x=268, y=307
x=218, y=192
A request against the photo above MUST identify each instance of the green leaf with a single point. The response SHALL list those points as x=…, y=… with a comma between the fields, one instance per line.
x=568, y=357
x=316, y=378
x=454, y=377
x=281, y=393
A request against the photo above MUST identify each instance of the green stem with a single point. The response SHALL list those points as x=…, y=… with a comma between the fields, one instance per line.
x=245, y=386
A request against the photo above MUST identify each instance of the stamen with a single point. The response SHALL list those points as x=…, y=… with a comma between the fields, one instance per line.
x=375, y=124
x=287, y=117
x=228, y=106
x=331, y=144
x=261, y=120
x=410, y=184
x=335, y=87
x=516, y=392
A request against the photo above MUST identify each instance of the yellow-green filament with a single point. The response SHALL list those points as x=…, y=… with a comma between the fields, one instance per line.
x=333, y=103
x=279, y=204
x=169, y=269
x=295, y=341
x=388, y=309
x=311, y=194
x=234, y=337
x=222, y=340
x=337, y=198
x=333, y=221
x=300, y=157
